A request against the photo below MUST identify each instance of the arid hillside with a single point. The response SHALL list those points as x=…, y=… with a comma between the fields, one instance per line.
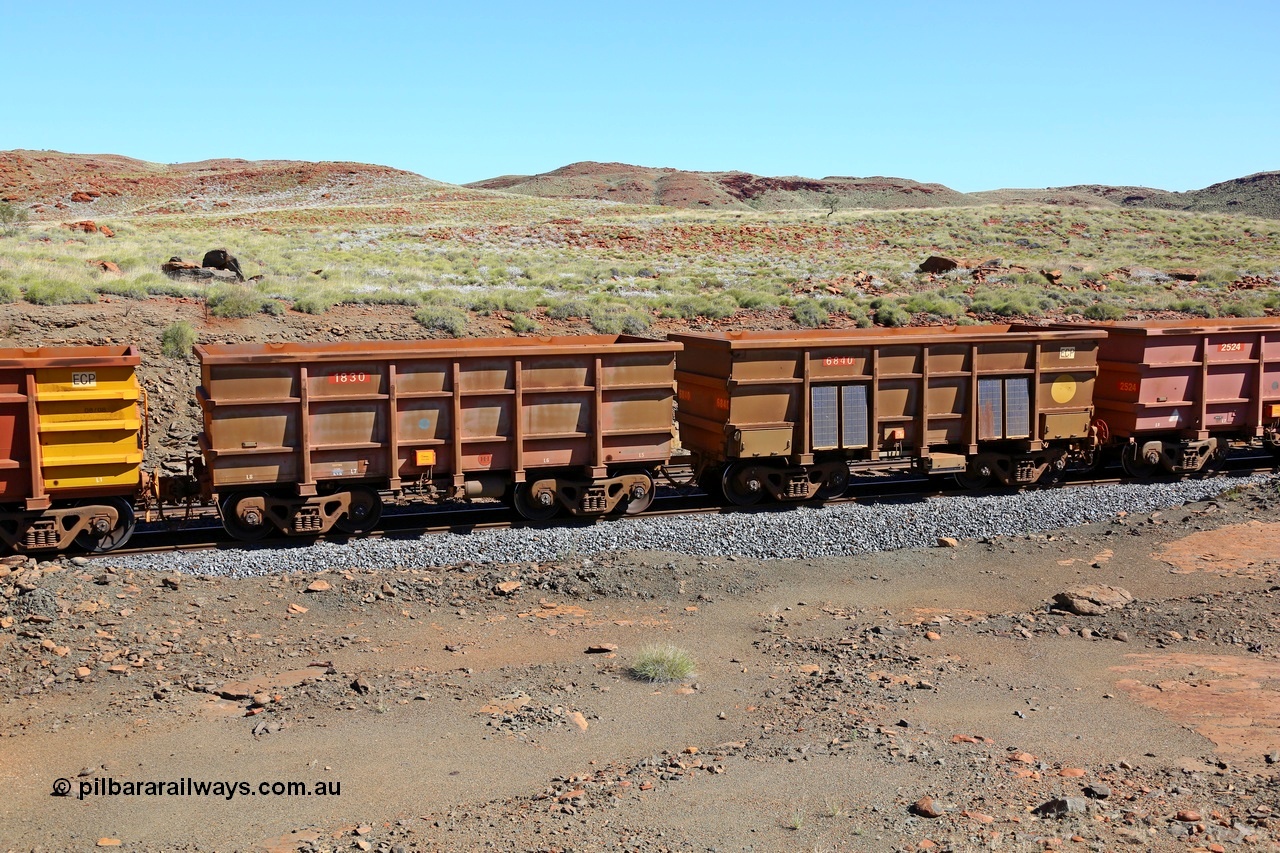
x=1255, y=195
x=53, y=185
x=675, y=188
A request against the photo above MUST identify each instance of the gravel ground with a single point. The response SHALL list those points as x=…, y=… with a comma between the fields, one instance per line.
x=796, y=532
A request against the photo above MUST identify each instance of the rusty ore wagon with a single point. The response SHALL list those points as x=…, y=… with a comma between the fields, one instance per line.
x=1177, y=395
x=303, y=437
x=71, y=444
x=790, y=414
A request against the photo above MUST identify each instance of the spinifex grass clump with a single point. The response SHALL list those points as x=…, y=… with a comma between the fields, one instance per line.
x=176, y=340
x=663, y=663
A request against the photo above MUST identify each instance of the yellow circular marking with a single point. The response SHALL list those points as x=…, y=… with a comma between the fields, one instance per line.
x=1064, y=388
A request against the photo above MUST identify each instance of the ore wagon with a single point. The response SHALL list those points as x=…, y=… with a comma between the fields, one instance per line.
x=1177, y=395
x=304, y=437
x=790, y=414
x=71, y=444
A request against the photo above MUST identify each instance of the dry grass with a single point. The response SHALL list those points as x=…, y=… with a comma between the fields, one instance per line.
x=623, y=267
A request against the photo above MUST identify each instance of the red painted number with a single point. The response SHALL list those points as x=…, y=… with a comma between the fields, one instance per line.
x=348, y=377
x=1127, y=386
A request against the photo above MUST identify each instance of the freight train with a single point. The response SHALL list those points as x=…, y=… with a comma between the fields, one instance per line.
x=304, y=438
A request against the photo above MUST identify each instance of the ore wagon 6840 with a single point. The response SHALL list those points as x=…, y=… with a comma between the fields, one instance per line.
x=787, y=414
x=304, y=437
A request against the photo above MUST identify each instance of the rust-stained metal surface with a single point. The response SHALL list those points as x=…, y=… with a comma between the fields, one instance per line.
x=1190, y=378
x=883, y=394
x=71, y=445
x=70, y=425
x=392, y=414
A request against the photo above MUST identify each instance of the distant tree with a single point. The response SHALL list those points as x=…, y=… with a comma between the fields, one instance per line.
x=831, y=202
x=10, y=218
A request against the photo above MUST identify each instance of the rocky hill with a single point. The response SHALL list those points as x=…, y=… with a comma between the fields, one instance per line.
x=675, y=188
x=53, y=184
x=1256, y=195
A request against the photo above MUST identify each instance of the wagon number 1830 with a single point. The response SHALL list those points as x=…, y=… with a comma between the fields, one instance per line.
x=347, y=377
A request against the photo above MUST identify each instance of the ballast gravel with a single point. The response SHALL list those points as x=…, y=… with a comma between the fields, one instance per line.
x=772, y=533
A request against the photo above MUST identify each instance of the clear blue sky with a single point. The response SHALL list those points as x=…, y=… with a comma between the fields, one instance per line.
x=1175, y=95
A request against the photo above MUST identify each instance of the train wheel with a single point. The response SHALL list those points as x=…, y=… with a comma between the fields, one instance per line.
x=637, y=505
x=250, y=526
x=100, y=542
x=1139, y=469
x=974, y=482
x=364, y=514
x=837, y=484
x=534, y=507
x=742, y=484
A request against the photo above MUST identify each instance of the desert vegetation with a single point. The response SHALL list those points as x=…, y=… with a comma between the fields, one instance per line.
x=623, y=268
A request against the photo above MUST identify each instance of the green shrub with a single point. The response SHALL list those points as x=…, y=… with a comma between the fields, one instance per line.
x=1104, y=311
x=129, y=288
x=635, y=324
x=606, y=322
x=314, y=303
x=521, y=324
x=443, y=319
x=8, y=292
x=889, y=314
x=59, y=293
x=809, y=314
x=1244, y=308
x=933, y=303
x=568, y=309
x=663, y=663
x=232, y=301
x=176, y=340
x=1196, y=308
x=10, y=218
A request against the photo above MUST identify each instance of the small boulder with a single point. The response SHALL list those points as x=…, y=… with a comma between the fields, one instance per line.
x=936, y=264
x=1092, y=599
x=926, y=807
x=1062, y=806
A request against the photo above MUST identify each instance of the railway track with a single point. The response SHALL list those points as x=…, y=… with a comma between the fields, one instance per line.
x=203, y=530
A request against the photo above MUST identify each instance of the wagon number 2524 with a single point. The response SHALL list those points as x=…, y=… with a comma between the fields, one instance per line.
x=1231, y=347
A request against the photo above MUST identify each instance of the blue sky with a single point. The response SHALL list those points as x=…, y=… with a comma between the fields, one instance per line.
x=1175, y=95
